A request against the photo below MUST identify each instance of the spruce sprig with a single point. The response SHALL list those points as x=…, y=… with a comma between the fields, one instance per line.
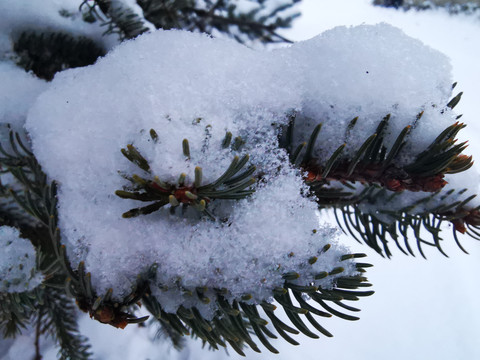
x=58, y=316
x=375, y=165
x=116, y=19
x=235, y=183
x=378, y=229
x=47, y=53
x=37, y=198
x=237, y=323
x=17, y=309
x=210, y=17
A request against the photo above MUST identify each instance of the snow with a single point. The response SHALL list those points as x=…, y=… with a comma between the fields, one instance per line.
x=18, y=92
x=17, y=262
x=369, y=72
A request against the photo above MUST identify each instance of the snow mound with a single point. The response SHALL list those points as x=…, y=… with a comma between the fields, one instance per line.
x=369, y=72
x=189, y=86
x=17, y=262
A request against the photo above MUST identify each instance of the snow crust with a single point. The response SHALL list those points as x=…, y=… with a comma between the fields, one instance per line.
x=17, y=262
x=189, y=86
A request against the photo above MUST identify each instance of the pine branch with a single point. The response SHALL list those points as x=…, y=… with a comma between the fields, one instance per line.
x=34, y=196
x=116, y=17
x=452, y=6
x=381, y=221
x=38, y=198
x=372, y=163
x=60, y=321
x=369, y=211
x=267, y=33
x=238, y=323
x=47, y=53
x=173, y=14
x=234, y=184
x=17, y=310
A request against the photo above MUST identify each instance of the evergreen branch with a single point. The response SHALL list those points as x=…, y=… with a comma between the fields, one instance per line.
x=172, y=14
x=236, y=323
x=105, y=309
x=269, y=31
x=388, y=223
x=369, y=212
x=37, y=197
x=118, y=19
x=17, y=310
x=47, y=53
x=220, y=16
x=373, y=165
x=453, y=7
x=61, y=322
x=235, y=183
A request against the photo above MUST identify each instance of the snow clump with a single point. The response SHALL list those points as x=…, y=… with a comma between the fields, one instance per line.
x=189, y=86
x=17, y=262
